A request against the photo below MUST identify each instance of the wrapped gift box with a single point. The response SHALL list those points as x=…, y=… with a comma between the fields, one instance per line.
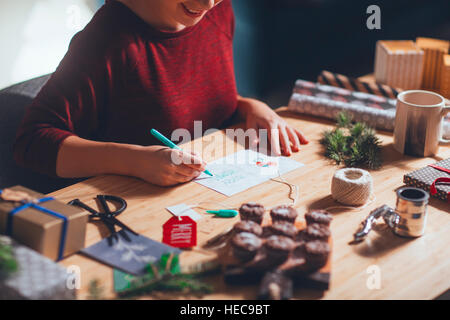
x=41, y=230
x=37, y=277
x=434, y=50
x=445, y=76
x=399, y=63
x=424, y=177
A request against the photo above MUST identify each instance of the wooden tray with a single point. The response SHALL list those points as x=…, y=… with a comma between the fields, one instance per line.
x=236, y=274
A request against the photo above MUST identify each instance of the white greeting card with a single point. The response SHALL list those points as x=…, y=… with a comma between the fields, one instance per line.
x=244, y=169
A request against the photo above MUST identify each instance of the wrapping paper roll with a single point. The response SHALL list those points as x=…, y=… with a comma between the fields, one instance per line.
x=327, y=101
x=339, y=80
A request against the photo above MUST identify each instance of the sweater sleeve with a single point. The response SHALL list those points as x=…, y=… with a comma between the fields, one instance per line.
x=69, y=104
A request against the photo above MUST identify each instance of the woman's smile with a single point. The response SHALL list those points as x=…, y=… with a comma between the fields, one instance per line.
x=191, y=12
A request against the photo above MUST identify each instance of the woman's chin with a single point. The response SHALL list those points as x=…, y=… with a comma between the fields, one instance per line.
x=189, y=22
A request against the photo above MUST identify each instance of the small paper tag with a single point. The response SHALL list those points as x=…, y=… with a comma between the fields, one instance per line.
x=180, y=232
x=184, y=210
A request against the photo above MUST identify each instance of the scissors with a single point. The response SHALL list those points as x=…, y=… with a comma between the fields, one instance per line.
x=108, y=217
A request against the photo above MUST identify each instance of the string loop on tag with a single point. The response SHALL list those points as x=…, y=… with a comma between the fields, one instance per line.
x=292, y=188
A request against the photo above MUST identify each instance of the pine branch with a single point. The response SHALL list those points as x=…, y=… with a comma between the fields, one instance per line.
x=184, y=283
x=165, y=275
x=355, y=145
x=95, y=290
x=8, y=263
x=344, y=120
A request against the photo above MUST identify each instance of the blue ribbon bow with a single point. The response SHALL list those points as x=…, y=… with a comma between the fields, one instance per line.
x=34, y=205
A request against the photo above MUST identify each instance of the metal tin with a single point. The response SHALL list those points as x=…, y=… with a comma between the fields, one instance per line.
x=411, y=209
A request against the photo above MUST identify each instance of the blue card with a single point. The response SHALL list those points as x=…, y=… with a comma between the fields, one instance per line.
x=129, y=253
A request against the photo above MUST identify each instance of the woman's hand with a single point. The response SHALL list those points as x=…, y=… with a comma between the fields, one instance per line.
x=166, y=167
x=283, y=138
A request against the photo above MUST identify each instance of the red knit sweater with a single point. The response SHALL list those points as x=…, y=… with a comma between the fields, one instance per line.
x=121, y=77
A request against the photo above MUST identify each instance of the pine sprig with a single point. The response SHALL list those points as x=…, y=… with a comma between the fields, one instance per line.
x=95, y=290
x=184, y=283
x=8, y=263
x=164, y=276
x=353, y=144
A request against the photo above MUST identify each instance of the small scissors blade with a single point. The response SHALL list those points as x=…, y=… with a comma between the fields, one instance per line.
x=94, y=214
x=108, y=224
x=122, y=225
x=78, y=203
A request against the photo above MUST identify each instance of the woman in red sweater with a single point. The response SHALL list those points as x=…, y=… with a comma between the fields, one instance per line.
x=139, y=65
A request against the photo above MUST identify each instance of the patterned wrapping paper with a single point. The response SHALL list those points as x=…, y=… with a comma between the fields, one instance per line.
x=342, y=81
x=38, y=278
x=327, y=101
x=424, y=177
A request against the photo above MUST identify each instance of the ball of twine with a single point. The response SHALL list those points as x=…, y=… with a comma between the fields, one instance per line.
x=351, y=186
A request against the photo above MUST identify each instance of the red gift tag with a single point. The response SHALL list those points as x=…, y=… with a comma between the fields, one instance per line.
x=180, y=232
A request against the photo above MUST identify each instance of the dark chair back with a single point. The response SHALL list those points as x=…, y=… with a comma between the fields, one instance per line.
x=13, y=103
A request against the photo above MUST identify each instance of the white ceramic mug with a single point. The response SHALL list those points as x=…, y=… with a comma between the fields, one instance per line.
x=418, y=122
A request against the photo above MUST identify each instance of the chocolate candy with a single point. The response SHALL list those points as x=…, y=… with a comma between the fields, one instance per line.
x=283, y=213
x=252, y=211
x=316, y=254
x=282, y=228
x=248, y=226
x=278, y=247
x=245, y=245
x=316, y=232
x=318, y=216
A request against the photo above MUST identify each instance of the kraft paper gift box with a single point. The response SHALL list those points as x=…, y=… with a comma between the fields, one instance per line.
x=434, y=50
x=55, y=234
x=399, y=63
x=445, y=76
x=36, y=278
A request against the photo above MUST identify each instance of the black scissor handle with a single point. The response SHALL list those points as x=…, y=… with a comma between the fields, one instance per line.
x=108, y=217
x=112, y=215
x=105, y=198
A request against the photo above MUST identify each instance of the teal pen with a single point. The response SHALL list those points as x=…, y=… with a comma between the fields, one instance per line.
x=223, y=213
x=170, y=144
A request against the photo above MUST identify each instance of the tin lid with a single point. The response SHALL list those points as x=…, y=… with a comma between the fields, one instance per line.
x=413, y=194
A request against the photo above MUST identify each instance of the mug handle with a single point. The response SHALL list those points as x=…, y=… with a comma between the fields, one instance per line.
x=444, y=112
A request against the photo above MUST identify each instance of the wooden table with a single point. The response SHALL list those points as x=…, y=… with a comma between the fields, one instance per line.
x=409, y=268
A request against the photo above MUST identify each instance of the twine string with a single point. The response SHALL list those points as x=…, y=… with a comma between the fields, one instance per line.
x=293, y=188
x=351, y=186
